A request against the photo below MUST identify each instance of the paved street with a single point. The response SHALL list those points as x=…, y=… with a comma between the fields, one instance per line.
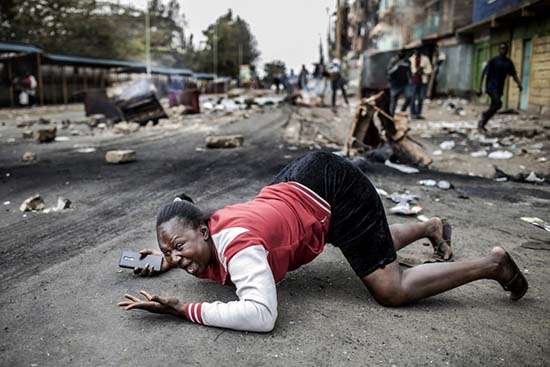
x=61, y=280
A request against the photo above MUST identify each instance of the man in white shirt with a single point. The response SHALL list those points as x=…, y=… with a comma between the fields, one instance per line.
x=421, y=69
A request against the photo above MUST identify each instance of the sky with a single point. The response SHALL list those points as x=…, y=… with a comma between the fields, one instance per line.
x=287, y=30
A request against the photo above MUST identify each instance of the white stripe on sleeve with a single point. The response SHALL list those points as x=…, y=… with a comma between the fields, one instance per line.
x=256, y=309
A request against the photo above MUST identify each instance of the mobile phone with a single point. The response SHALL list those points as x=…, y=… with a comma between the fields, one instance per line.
x=133, y=259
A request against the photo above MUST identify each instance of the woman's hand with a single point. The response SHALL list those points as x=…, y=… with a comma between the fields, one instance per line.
x=154, y=304
x=148, y=270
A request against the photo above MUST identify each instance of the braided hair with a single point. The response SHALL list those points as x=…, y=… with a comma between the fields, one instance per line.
x=184, y=210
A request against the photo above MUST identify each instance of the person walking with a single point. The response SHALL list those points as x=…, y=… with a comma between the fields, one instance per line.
x=496, y=71
x=399, y=77
x=303, y=79
x=421, y=69
x=337, y=82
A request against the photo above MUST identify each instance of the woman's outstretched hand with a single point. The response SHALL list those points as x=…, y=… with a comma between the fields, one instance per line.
x=154, y=304
x=148, y=270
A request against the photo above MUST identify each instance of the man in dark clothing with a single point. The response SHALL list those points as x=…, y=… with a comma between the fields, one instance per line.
x=496, y=71
x=399, y=76
x=337, y=81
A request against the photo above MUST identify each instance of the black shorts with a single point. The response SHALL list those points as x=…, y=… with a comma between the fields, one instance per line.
x=358, y=224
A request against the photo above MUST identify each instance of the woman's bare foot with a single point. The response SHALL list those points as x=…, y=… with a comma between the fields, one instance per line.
x=441, y=244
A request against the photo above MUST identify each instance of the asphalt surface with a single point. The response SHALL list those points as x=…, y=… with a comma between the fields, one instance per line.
x=60, y=279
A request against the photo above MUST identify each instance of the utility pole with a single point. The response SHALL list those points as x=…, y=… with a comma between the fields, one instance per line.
x=215, y=50
x=147, y=42
x=338, y=29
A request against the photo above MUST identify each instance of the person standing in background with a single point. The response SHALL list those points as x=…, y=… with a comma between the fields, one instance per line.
x=399, y=76
x=337, y=82
x=421, y=69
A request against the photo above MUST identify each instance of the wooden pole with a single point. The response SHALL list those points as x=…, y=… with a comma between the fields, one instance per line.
x=64, y=78
x=85, y=75
x=52, y=80
x=338, y=29
x=40, y=85
x=10, y=81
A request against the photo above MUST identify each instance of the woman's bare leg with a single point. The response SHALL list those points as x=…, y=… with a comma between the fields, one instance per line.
x=392, y=286
x=405, y=234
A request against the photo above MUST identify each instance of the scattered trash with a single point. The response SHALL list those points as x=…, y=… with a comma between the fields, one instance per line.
x=429, y=183
x=537, y=222
x=406, y=197
x=532, y=177
x=120, y=156
x=501, y=154
x=381, y=192
x=29, y=157
x=444, y=185
x=34, y=202
x=447, y=145
x=86, y=150
x=7, y=202
x=406, y=209
x=224, y=141
x=479, y=153
x=401, y=167
x=27, y=134
x=61, y=138
x=11, y=140
x=437, y=152
x=542, y=159
x=45, y=135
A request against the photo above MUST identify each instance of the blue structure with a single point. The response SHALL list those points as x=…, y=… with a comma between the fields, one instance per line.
x=485, y=8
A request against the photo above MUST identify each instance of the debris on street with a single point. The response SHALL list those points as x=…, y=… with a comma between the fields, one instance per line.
x=120, y=156
x=224, y=141
x=29, y=156
x=33, y=203
x=537, y=222
x=401, y=167
x=45, y=135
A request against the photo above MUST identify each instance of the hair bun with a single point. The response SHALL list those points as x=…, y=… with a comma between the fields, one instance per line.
x=183, y=197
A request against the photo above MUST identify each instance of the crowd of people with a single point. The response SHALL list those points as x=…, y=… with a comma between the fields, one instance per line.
x=314, y=84
x=409, y=77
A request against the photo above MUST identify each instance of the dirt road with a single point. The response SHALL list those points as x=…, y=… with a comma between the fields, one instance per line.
x=60, y=279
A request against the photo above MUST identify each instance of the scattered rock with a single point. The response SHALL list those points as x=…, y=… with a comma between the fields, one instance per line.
x=29, y=157
x=126, y=127
x=34, y=202
x=62, y=203
x=224, y=141
x=120, y=156
x=27, y=134
x=45, y=135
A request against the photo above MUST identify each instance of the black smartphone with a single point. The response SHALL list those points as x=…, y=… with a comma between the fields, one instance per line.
x=133, y=259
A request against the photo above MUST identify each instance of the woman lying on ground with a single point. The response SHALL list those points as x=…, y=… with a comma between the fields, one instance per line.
x=317, y=198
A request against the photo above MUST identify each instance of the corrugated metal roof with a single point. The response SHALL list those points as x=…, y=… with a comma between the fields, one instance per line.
x=204, y=76
x=69, y=59
x=15, y=47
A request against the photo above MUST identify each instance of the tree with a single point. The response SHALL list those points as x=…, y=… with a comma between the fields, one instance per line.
x=94, y=28
x=271, y=69
x=229, y=44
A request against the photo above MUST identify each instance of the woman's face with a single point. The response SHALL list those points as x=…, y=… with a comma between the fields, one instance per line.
x=185, y=247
